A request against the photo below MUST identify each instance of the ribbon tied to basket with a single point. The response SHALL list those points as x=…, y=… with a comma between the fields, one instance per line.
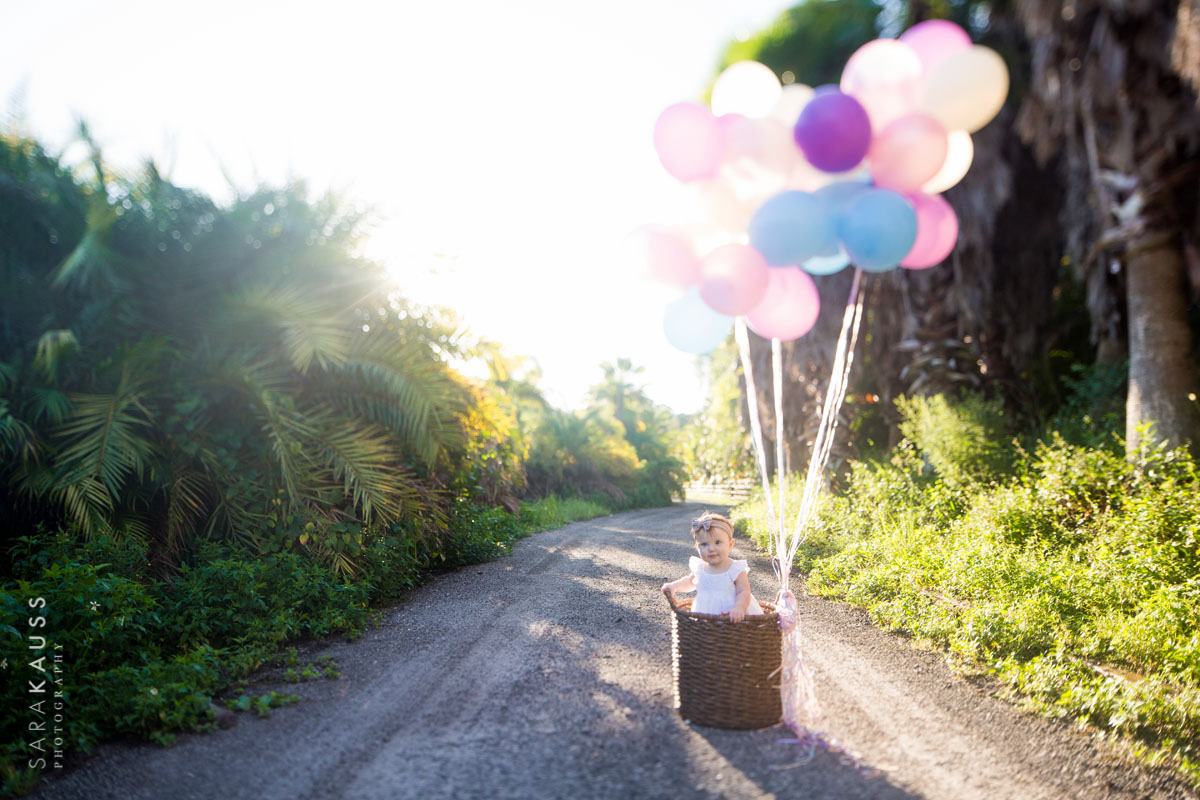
x=785, y=606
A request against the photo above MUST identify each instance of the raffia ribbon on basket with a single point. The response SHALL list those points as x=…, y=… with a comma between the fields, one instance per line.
x=785, y=606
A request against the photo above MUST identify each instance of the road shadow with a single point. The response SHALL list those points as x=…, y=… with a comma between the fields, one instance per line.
x=783, y=768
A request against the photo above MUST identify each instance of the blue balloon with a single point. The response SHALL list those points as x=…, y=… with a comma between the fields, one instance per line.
x=790, y=228
x=832, y=260
x=878, y=229
x=693, y=327
x=838, y=196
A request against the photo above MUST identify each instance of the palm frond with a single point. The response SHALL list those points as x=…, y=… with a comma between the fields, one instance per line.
x=48, y=405
x=91, y=254
x=8, y=376
x=362, y=458
x=403, y=388
x=344, y=565
x=106, y=441
x=86, y=502
x=236, y=521
x=265, y=385
x=310, y=330
x=17, y=439
x=187, y=490
x=53, y=348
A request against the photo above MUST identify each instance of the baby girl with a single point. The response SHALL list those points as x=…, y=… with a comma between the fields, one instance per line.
x=722, y=584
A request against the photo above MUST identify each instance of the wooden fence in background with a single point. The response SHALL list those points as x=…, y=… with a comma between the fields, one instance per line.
x=735, y=490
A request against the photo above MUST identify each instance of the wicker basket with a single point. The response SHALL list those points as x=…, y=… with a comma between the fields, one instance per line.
x=726, y=673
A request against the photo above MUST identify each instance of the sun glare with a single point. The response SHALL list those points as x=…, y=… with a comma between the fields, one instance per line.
x=505, y=148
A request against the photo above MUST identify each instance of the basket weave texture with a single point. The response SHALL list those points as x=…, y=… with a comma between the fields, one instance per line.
x=726, y=673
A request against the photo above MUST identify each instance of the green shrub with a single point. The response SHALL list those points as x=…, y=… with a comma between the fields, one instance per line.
x=964, y=443
x=1073, y=574
x=226, y=600
x=480, y=534
x=393, y=564
x=143, y=657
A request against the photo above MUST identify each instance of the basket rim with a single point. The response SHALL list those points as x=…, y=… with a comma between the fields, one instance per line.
x=769, y=608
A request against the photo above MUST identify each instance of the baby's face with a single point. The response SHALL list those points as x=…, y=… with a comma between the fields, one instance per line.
x=714, y=545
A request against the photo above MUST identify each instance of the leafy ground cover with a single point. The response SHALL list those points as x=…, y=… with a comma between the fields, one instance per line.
x=145, y=657
x=1061, y=568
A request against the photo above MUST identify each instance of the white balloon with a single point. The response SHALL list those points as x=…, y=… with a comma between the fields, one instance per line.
x=792, y=100
x=748, y=88
x=959, y=155
x=966, y=90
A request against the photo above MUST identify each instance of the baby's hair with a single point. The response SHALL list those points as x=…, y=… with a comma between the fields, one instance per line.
x=708, y=519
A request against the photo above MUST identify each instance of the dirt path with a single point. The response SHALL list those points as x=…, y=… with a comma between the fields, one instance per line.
x=547, y=675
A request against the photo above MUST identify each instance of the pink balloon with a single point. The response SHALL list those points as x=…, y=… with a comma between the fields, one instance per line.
x=937, y=231
x=789, y=308
x=689, y=141
x=740, y=136
x=766, y=143
x=935, y=40
x=884, y=76
x=660, y=254
x=733, y=278
x=908, y=152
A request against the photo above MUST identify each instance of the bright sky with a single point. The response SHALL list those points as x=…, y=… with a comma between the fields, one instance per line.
x=506, y=145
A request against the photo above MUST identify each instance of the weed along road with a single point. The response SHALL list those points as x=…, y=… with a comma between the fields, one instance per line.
x=546, y=674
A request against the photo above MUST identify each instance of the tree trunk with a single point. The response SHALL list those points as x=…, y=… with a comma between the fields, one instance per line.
x=1163, y=380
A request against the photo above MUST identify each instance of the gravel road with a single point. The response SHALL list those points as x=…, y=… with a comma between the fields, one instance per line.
x=546, y=674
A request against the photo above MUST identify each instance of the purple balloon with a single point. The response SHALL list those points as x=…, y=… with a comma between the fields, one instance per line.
x=834, y=130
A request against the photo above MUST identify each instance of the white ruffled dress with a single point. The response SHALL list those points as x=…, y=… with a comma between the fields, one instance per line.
x=715, y=591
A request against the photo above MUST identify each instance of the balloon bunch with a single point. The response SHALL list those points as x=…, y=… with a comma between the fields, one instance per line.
x=792, y=182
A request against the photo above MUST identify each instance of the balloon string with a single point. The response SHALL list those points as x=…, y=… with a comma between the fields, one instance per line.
x=834, y=397
x=797, y=689
x=780, y=470
x=743, y=343
x=801, y=711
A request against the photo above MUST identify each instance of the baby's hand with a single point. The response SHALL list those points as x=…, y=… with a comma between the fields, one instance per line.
x=736, y=615
x=668, y=591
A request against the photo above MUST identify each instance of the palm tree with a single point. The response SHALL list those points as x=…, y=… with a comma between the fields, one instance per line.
x=1113, y=90
x=581, y=454
x=185, y=370
x=617, y=390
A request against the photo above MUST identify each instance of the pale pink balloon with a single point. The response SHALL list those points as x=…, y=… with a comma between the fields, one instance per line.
x=765, y=143
x=689, y=142
x=716, y=206
x=908, y=152
x=733, y=278
x=884, y=76
x=789, y=307
x=663, y=256
x=740, y=135
x=935, y=40
x=937, y=231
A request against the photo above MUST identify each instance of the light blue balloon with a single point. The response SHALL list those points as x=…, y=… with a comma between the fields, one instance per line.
x=838, y=196
x=790, y=228
x=878, y=229
x=832, y=260
x=693, y=327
